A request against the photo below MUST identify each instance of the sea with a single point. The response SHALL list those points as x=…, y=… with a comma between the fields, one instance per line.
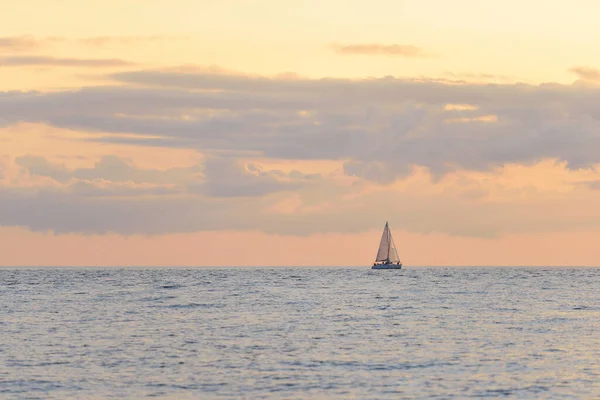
x=299, y=333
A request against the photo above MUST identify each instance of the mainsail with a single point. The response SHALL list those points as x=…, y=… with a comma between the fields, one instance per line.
x=387, y=249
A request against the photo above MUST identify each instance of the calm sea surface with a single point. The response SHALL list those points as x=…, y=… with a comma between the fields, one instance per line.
x=299, y=333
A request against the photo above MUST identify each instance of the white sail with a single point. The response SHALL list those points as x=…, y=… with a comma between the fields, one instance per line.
x=387, y=249
x=384, y=245
x=393, y=251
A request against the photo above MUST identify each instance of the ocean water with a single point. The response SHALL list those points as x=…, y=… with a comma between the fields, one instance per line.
x=300, y=333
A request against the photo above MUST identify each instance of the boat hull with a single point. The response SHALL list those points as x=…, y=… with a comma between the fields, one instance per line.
x=387, y=266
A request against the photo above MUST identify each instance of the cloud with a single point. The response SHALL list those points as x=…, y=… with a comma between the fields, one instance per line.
x=29, y=42
x=101, y=206
x=230, y=193
x=17, y=43
x=110, y=168
x=115, y=196
x=217, y=177
x=586, y=73
x=229, y=178
x=477, y=77
x=380, y=127
x=103, y=41
x=25, y=43
x=383, y=131
x=75, y=210
x=376, y=171
x=23, y=61
x=381, y=49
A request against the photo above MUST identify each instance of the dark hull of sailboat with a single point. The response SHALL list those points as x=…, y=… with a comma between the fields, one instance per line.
x=387, y=266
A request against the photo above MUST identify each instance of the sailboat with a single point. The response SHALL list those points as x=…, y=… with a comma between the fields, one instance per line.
x=387, y=255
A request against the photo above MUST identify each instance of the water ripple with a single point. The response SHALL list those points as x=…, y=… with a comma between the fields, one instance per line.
x=299, y=333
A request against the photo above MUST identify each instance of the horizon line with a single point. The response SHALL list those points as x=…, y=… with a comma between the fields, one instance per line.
x=286, y=266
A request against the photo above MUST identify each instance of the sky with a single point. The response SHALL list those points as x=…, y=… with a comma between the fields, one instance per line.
x=278, y=133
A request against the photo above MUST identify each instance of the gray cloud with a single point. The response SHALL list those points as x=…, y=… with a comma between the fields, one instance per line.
x=14, y=44
x=586, y=73
x=380, y=127
x=111, y=168
x=382, y=92
x=115, y=196
x=217, y=177
x=594, y=184
x=381, y=49
x=18, y=43
x=88, y=207
x=377, y=171
x=76, y=211
x=228, y=178
x=22, y=61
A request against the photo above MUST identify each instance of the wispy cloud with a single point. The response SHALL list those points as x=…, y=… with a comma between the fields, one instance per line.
x=478, y=77
x=381, y=49
x=102, y=41
x=18, y=43
x=586, y=73
x=22, y=61
x=24, y=43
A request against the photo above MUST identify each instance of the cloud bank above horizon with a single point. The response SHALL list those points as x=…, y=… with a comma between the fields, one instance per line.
x=384, y=134
x=138, y=132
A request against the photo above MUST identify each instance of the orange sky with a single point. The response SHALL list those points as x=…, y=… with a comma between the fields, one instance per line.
x=240, y=248
x=219, y=248
x=204, y=133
